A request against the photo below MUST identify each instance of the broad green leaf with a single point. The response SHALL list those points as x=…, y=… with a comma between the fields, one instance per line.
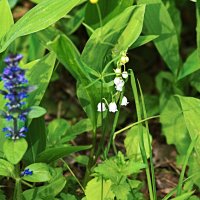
x=6, y=168
x=36, y=138
x=143, y=40
x=47, y=191
x=134, y=27
x=39, y=74
x=40, y=17
x=71, y=23
x=191, y=112
x=132, y=143
x=15, y=150
x=116, y=33
x=175, y=15
x=36, y=50
x=12, y=3
x=82, y=126
x=98, y=189
x=191, y=65
x=52, y=154
x=69, y=56
x=56, y=129
x=89, y=98
x=116, y=167
x=6, y=18
x=41, y=173
x=109, y=9
x=121, y=191
x=36, y=111
x=174, y=127
x=157, y=21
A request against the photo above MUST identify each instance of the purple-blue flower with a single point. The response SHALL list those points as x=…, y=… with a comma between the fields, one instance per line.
x=15, y=91
x=26, y=172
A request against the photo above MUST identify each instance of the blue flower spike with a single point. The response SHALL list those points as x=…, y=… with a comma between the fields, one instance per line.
x=15, y=91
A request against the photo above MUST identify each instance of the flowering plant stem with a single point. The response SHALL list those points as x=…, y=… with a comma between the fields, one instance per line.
x=142, y=147
x=18, y=187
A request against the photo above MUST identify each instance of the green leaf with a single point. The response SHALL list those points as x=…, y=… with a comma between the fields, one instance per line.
x=36, y=111
x=82, y=159
x=109, y=9
x=41, y=173
x=121, y=191
x=175, y=14
x=36, y=48
x=12, y=3
x=67, y=197
x=47, y=191
x=143, y=40
x=116, y=33
x=6, y=18
x=71, y=23
x=69, y=56
x=132, y=143
x=191, y=65
x=15, y=150
x=191, y=112
x=39, y=73
x=174, y=127
x=98, y=189
x=52, y=154
x=156, y=18
x=82, y=126
x=183, y=196
x=40, y=17
x=56, y=129
x=36, y=138
x=134, y=27
x=116, y=167
x=6, y=168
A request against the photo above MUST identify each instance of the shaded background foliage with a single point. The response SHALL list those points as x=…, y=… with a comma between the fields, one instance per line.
x=160, y=65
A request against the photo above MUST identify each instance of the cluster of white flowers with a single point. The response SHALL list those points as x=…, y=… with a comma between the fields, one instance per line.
x=112, y=107
x=119, y=82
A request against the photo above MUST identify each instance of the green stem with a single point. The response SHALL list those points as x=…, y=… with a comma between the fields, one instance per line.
x=114, y=128
x=142, y=147
x=134, y=124
x=153, y=179
x=18, y=190
x=27, y=184
x=99, y=14
x=181, y=178
x=91, y=158
x=67, y=166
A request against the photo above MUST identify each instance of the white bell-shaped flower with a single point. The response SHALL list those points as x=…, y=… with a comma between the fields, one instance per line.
x=119, y=83
x=112, y=107
x=125, y=74
x=118, y=71
x=101, y=107
x=124, y=101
